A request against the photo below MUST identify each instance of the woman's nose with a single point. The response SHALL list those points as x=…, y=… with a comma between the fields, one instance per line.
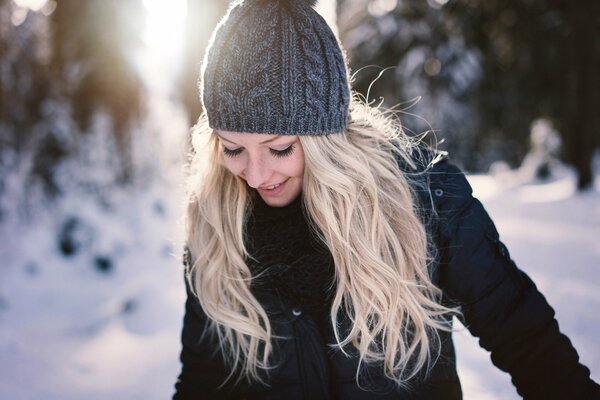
x=256, y=173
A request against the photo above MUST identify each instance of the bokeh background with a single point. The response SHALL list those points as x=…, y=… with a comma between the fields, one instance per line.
x=97, y=98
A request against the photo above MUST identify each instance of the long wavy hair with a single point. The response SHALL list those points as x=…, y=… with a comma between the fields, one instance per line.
x=361, y=205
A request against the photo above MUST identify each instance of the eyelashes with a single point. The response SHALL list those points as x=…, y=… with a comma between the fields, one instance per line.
x=231, y=153
x=282, y=153
x=275, y=153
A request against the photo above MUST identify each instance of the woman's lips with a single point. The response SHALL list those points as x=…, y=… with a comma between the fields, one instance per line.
x=273, y=190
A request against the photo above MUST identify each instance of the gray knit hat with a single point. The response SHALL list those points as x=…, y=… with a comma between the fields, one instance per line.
x=275, y=66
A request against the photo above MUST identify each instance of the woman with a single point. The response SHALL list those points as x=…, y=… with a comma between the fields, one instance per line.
x=327, y=253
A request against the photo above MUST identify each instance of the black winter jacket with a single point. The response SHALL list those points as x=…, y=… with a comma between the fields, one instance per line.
x=500, y=305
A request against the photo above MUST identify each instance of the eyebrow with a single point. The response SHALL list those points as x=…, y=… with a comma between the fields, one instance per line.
x=263, y=142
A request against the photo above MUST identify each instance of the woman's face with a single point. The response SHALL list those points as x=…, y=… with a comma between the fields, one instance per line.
x=271, y=164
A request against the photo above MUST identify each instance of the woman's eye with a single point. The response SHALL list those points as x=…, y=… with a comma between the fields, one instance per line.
x=230, y=152
x=282, y=153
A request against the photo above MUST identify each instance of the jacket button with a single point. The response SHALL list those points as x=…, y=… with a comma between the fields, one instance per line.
x=438, y=192
x=297, y=312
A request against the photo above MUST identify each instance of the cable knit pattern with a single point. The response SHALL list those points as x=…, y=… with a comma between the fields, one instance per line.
x=275, y=66
x=288, y=259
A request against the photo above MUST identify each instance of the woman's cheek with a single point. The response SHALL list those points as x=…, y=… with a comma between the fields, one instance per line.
x=299, y=163
x=234, y=166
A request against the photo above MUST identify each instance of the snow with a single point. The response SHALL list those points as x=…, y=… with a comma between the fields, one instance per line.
x=71, y=327
x=104, y=322
x=91, y=284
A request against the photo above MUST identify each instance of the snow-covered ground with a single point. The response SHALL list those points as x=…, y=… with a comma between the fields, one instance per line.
x=104, y=322
x=100, y=324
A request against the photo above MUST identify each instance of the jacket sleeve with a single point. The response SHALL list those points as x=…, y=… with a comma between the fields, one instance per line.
x=500, y=303
x=203, y=369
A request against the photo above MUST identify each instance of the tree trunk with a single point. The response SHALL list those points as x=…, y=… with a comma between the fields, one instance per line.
x=580, y=125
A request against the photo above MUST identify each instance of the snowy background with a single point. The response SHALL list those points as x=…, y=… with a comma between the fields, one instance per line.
x=91, y=283
x=104, y=321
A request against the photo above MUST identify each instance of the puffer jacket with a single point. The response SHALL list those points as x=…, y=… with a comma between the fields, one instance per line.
x=499, y=304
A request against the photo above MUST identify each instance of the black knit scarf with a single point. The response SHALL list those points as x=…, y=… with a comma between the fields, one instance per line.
x=288, y=259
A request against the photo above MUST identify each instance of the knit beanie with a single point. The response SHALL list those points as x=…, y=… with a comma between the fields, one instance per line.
x=275, y=66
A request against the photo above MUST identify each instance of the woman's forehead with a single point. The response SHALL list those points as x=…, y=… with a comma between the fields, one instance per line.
x=254, y=138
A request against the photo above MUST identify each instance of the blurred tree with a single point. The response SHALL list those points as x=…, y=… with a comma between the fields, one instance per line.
x=26, y=143
x=433, y=75
x=92, y=44
x=23, y=87
x=485, y=69
x=61, y=66
x=540, y=59
x=576, y=102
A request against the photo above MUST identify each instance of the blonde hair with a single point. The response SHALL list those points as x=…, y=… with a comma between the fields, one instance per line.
x=360, y=204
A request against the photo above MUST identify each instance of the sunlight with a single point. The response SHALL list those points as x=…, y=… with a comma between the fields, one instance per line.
x=164, y=32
